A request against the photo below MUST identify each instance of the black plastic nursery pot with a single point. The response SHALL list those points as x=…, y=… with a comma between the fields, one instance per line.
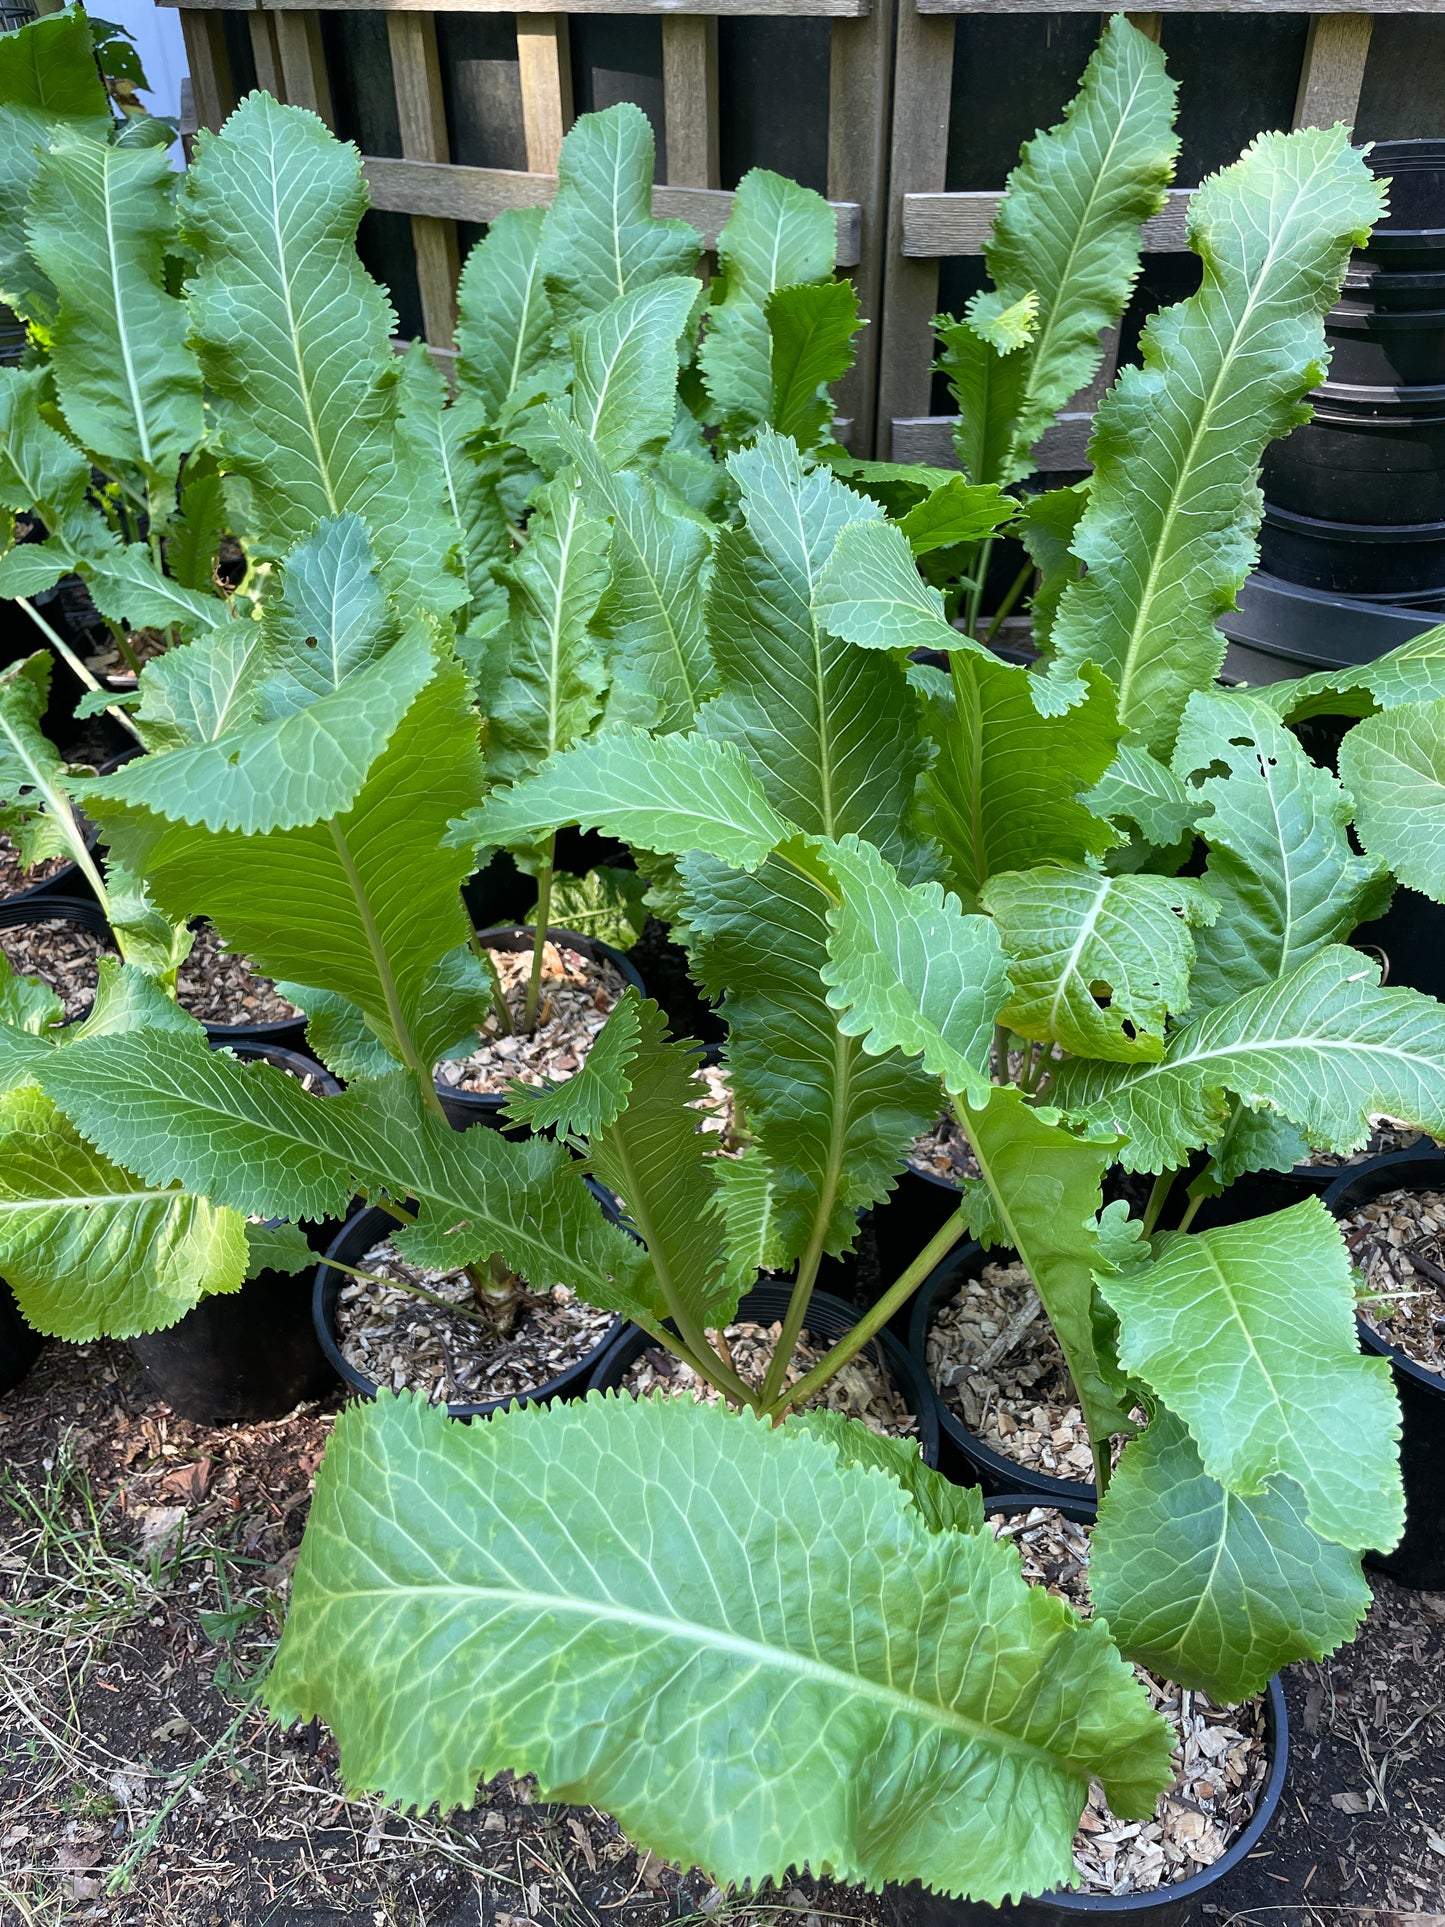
x=20, y=1344
x=1419, y=1559
x=85, y=912
x=285, y=1033
x=1402, y=566
x=368, y=1227
x=1409, y=942
x=252, y=1354
x=1372, y=453
x=1410, y=238
x=828, y=1318
x=464, y=1108
x=1381, y=347
x=1170, y=1906
x=918, y=1207
x=1280, y=630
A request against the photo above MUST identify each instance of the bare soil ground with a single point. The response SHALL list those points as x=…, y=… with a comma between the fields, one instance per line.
x=143, y=1563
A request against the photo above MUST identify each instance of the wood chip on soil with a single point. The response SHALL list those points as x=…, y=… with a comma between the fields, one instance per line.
x=1220, y=1757
x=577, y=994
x=862, y=1389
x=944, y=1152
x=63, y=955
x=1387, y=1135
x=15, y=879
x=219, y=987
x=402, y=1341
x=1405, y=1304
x=994, y=1359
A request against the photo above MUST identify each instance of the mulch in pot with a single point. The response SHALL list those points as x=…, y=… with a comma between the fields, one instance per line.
x=944, y=1152
x=1387, y=1136
x=995, y=1362
x=15, y=879
x=218, y=986
x=1398, y=1241
x=578, y=993
x=402, y=1341
x=861, y=1390
x=63, y=955
x=1220, y=1757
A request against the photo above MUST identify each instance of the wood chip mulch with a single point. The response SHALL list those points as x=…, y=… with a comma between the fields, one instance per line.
x=397, y=1339
x=993, y=1356
x=860, y=1390
x=219, y=987
x=1220, y=1759
x=577, y=994
x=1387, y=1136
x=944, y=1152
x=63, y=955
x=15, y=879
x=1398, y=1241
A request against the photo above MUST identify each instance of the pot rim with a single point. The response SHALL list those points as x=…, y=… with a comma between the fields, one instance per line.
x=1276, y=1739
x=328, y=1282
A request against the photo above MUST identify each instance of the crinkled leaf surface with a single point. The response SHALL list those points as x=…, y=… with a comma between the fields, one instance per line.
x=668, y=794
x=987, y=389
x=1138, y=789
x=1394, y=765
x=1327, y=1047
x=100, y=221
x=599, y=238
x=944, y=1506
x=1005, y=790
x=908, y=971
x=593, y=1096
x=1208, y=1588
x=202, y=691
x=35, y=807
x=90, y=1250
x=777, y=235
x=1168, y=535
x=963, y=1714
x=1413, y=673
x=1280, y=862
x=607, y=902
x=1247, y=1332
x=329, y=622
x=1098, y=963
x=1067, y=231
x=47, y=77
x=624, y=382
x=504, y=319
x=870, y=593
x=957, y=511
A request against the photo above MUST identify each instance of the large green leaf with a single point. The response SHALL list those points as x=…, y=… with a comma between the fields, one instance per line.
x=364, y=903
x=1280, y=861
x=248, y=1136
x=653, y=1156
x=870, y=593
x=1046, y=1190
x=1413, y=673
x=545, y=673
x=778, y=235
x=668, y=794
x=654, y=610
x=1006, y=788
x=203, y=690
x=90, y=1250
x=329, y=622
x=812, y=330
x=1098, y=963
x=1137, y=789
x=1394, y=765
x=439, y=438
x=599, y=238
x=35, y=806
x=1326, y=1048
x=594, y=1096
x=48, y=78
x=294, y=340
x=101, y=219
x=832, y=1119
x=910, y=972
x=1208, y=1588
x=126, y=586
x=955, y=512
x=504, y=319
x=1068, y=228
x=625, y=362
x=832, y=730
x=41, y=469
x=943, y=1506
x=1247, y=1332
x=1168, y=536
x=987, y=388
x=963, y=1714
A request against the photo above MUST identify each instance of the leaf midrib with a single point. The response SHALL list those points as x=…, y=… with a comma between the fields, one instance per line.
x=778, y=1659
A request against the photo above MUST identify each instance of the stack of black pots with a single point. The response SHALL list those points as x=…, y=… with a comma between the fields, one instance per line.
x=1352, y=550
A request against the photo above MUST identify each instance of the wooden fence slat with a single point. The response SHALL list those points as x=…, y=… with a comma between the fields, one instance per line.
x=303, y=63
x=1183, y=6
x=266, y=54
x=212, y=90
x=421, y=117
x=689, y=96
x=936, y=225
x=544, y=59
x=731, y=9
x=1334, y=69
x=860, y=73
x=482, y=193
x=922, y=89
x=929, y=438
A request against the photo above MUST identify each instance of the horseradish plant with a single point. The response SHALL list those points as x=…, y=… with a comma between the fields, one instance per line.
x=762, y=1644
